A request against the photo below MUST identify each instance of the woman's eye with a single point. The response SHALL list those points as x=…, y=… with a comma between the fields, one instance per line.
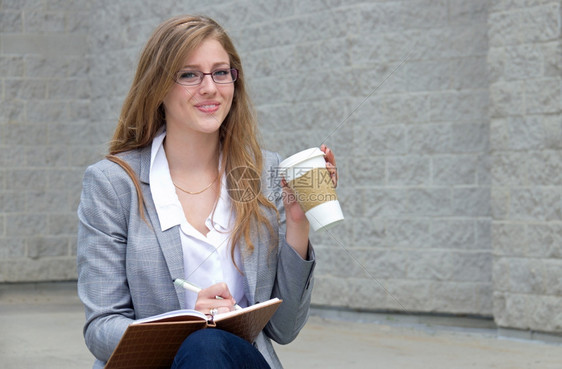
x=222, y=75
x=221, y=72
x=188, y=75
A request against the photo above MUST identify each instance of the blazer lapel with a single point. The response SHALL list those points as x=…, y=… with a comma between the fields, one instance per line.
x=250, y=269
x=169, y=240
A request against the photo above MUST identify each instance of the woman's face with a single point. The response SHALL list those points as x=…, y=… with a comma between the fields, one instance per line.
x=200, y=108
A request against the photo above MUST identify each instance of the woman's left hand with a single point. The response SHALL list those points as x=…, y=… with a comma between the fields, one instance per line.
x=293, y=211
x=296, y=222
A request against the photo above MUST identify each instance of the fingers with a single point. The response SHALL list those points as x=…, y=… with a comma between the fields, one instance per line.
x=288, y=194
x=330, y=164
x=329, y=154
x=219, y=310
x=218, y=289
x=215, y=299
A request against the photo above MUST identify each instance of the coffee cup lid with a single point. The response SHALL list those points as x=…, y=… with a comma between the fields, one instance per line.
x=299, y=157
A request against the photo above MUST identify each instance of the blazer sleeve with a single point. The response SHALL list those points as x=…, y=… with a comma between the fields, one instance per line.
x=294, y=278
x=102, y=281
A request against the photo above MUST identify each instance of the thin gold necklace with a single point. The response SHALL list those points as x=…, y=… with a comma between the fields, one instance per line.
x=196, y=192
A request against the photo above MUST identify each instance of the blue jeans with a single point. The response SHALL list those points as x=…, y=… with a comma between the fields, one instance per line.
x=214, y=348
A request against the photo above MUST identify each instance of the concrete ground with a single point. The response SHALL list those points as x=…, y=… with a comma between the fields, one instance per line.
x=41, y=327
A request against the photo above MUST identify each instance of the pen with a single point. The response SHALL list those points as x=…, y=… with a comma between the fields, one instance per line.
x=191, y=287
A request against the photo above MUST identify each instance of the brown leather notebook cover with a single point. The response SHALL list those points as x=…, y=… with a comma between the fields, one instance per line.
x=153, y=344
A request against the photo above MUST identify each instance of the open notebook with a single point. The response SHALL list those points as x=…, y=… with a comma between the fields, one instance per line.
x=153, y=342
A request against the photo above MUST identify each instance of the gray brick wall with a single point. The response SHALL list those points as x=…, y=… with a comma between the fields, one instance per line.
x=409, y=99
x=525, y=61
x=44, y=104
x=444, y=115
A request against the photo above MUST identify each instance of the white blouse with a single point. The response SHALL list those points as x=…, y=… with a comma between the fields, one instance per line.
x=206, y=258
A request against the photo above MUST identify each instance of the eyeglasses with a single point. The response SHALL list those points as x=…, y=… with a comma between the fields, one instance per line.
x=195, y=77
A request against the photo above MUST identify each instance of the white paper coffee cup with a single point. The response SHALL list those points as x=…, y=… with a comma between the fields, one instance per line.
x=306, y=173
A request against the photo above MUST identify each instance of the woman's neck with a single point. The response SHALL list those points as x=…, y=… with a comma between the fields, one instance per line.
x=198, y=154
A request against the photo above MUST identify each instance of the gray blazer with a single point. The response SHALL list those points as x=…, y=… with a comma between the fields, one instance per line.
x=126, y=267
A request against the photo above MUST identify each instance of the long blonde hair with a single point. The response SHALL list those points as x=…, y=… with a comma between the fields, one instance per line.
x=143, y=115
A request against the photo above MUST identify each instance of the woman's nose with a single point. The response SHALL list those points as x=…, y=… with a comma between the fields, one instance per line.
x=207, y=84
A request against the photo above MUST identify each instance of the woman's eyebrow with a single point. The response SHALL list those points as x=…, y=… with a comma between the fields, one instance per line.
x=197, y=66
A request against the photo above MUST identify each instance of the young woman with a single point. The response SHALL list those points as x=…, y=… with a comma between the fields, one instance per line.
x=158, y=207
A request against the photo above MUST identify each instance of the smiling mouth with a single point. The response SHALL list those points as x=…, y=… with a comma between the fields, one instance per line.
x=208, y=108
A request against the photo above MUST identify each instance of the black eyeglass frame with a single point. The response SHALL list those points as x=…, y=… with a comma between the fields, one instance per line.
x=233, y=72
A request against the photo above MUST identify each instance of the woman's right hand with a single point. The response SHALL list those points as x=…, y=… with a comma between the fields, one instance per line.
x=207, y=299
